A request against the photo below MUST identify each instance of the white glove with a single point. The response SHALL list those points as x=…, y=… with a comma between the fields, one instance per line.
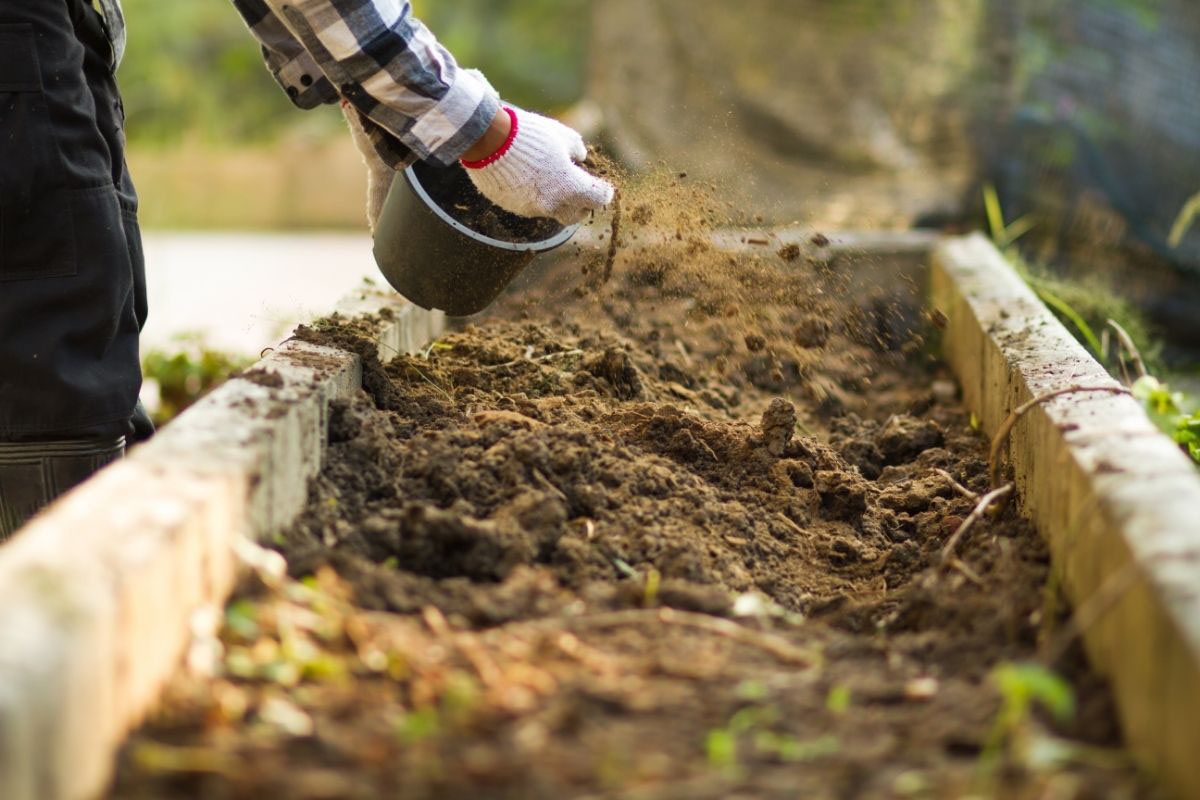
x=379, y=172
x=536, y=173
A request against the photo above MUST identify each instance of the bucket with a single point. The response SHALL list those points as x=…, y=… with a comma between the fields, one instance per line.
x=443, y=245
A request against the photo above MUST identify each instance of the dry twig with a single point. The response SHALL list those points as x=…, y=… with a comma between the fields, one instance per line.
x=959, y=565
x=1005, y=429
x=981, y=508
x=1129, y=347
x=529, y=358
x=958, y=487
x=683, y=351
x=777, y=646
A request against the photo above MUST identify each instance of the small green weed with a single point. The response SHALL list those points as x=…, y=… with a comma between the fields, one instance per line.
x=1022, y=687
x=186, y=374
x=838, y=700
x=757, y=724
x=418, y=725
x=1168, y=410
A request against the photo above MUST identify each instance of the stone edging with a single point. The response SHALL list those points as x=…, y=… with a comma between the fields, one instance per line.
x=1117, y=501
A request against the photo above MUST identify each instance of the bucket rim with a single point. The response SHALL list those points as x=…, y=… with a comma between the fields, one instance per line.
x=542, y=245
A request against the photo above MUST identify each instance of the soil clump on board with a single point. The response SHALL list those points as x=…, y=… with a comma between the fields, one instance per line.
x=676, y=535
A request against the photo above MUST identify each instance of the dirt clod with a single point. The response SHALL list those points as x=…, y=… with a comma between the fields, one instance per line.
x=615, y=367
x=778, y=426
x=812, y=331
x=755, y=342
x=904, y=437
x=262, y=377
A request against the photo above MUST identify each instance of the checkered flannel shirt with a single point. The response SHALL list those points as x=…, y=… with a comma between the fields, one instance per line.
x=414, y=99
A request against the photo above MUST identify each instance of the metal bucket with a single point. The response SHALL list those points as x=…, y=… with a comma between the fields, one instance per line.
x=444, y=246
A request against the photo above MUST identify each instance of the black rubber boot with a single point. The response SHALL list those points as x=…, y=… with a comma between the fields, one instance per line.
x=33, y=474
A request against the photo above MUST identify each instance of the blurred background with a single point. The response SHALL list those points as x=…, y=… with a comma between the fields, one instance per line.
x=1077, y=120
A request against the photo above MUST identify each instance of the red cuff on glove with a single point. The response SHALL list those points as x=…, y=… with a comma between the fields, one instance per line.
x=496, y=156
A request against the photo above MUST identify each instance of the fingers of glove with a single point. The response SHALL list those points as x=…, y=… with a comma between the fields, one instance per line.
x=576, y=147
x=584, y=193
x=597, y=192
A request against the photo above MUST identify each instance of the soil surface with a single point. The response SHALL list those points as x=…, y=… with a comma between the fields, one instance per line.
x=678, y=535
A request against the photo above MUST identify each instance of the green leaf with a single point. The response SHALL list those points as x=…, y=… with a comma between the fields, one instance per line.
x=241, y=618
x=838, y=700
x=1022, y=682
x=751, y=691
x=1187, y=215
x=1019, y=228
x=793, y=750
x=995, y=216
x=748, y=719
x=721, y=748
x=1062, y=307
x=1003, y=235
x=417, y=726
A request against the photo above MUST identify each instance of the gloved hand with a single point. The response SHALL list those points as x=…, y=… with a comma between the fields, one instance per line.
x=536, y=173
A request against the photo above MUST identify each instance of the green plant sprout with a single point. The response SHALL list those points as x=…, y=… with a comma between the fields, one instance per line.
x=1022, y=687
x=838, y=700
x=1166, y=409
x=1004, y=235
x=756, y=724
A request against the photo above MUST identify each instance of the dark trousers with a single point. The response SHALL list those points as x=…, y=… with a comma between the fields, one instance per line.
x=72, y=279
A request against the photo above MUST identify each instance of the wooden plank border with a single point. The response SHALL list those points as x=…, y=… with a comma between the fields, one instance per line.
x=1117, y=501
x=100, y=595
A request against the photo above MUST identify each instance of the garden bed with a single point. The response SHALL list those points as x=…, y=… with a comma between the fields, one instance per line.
x=683, y=534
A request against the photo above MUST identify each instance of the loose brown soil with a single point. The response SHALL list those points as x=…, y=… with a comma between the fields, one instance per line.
x=675, y=536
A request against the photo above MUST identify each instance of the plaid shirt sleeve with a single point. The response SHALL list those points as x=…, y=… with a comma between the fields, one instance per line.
x=415, y=101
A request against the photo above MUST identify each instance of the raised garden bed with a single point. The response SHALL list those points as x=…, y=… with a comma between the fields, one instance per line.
x=684, y=536
x=584, y=549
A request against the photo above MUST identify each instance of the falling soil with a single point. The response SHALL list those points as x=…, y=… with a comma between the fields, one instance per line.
x=674, y=537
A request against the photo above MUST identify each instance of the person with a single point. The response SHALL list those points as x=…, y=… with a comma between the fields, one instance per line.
x=72, y=276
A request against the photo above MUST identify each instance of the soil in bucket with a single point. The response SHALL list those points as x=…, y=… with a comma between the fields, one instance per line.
x=452, y=190
x=678, y=535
